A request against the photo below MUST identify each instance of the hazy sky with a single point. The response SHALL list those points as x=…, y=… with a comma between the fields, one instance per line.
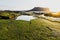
x=54, y=5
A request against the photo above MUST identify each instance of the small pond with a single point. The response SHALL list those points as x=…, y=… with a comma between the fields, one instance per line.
x=25, y=17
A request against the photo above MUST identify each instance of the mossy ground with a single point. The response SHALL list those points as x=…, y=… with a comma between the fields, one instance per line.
x=29, y=30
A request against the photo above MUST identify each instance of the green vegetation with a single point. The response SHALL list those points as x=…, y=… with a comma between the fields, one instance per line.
x=9, y=15
x=38, y=29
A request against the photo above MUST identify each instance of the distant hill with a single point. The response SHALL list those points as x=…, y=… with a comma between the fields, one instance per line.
x=39, y=9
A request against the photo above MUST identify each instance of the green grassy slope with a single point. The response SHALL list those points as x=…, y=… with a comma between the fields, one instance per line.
x=39, y=29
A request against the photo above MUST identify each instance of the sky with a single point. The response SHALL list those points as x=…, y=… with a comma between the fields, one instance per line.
x=53, y=5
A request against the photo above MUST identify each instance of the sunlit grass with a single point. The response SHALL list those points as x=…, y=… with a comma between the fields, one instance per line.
x=28, y=30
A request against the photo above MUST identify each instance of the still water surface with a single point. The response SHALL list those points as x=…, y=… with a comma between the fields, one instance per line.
x=25, y=17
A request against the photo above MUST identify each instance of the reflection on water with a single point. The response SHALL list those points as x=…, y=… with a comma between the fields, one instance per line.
x=28, y=18
x=51, y=18
x=56, y=19
x=25, y=17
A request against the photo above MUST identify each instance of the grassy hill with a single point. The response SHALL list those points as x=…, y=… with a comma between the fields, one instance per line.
x=38, y=29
